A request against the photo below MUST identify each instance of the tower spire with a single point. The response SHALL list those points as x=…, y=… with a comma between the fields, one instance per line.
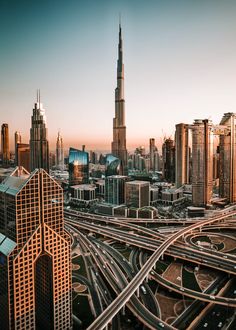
x=118, y=145
x=120, y=53
x=39, y=151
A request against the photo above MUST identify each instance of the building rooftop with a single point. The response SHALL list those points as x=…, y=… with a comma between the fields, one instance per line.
x=84, y=186
x=15, y=181
x=139, y=183
x=117, y=177
x=6, y=245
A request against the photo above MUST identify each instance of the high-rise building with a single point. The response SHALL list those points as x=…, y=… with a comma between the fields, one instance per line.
x=181, y=154
x=17, y=140
x=59, y=152
x=147, y=164
x=118, y=145
x=156, y=161
x=93, y=157
x=138, y=162
x=137, y=194
x=23, y=155
x=140, y=151
x=112, y=165
x=39, y=150
x=5, y=145
x=227, y=158
x=216, y=164
x=168, y=158
x=152, y=150
x=78, y=167
x=115, y=189
x=202, y=162
x=52, y=159
x=35, y=254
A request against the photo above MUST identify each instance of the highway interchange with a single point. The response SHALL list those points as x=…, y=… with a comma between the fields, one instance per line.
x=129, y=283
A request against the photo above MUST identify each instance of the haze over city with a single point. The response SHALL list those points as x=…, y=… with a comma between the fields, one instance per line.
x=179, y=62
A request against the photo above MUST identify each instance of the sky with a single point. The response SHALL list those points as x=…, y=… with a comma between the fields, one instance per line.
x=179, y=59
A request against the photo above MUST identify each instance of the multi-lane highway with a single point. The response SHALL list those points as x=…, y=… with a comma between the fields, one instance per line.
x=213, y=259
x=164, y=244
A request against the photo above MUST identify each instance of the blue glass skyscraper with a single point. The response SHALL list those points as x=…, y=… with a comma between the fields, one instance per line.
x=78, y=167
x=112, y=165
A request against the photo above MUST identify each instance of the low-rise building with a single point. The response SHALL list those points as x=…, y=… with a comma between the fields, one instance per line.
x=83, y=194
x=172, y=196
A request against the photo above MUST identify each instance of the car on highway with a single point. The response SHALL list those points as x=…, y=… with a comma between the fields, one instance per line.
x=212, y=297
x=161, y=324
x=143, y=289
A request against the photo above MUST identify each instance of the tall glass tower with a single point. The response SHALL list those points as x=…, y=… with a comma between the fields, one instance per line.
x=118, y=146
x=39, y=150
x=5, y=145
x=35, y=254
x=78, y=167
x=17, y=141
x=59, y=152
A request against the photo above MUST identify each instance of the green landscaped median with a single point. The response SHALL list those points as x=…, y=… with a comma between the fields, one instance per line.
x=189, y=280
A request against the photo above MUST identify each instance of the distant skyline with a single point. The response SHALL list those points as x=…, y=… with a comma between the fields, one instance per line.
x=179, y=59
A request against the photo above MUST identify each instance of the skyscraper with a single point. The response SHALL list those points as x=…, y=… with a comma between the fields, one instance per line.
x=5, y=145
x=156, y=161
x=59, y=152
x=168, y=154
x=17, y=140
x=118, y=145
x=152, y=150
x=202, y=167
x=115, y=189
x=112, y=165
x=35, y=254
x=39, y=151
x=23, y=155
x=181, y=154
x=78, y=167
x=227, y=158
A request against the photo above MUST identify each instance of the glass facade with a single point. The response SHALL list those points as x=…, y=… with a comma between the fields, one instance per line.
x=112, y=165
x=35, y=253
x=78, y=167
x=115, y=189
x=5, y=145
x=137, y=194
x=39, y=149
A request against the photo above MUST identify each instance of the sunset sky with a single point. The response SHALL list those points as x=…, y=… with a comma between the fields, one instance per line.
x=179, y=57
